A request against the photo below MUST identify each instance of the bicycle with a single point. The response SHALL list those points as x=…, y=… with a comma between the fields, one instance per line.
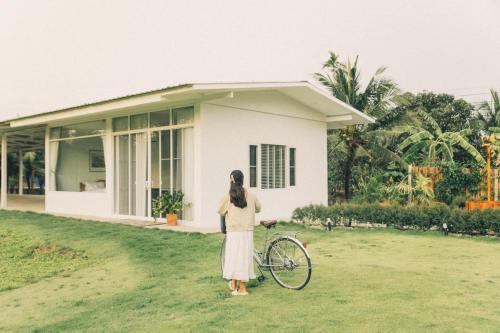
x=283, y=255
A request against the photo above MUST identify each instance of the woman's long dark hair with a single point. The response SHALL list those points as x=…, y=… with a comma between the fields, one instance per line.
x=237, y=192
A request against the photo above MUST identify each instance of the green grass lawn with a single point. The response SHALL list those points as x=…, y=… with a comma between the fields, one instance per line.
x=69, y=275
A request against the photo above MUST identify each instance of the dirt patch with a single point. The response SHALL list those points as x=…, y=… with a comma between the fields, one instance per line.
x=51, y=249
x=26, y=260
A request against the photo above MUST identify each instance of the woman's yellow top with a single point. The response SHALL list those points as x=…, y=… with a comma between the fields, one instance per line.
x=240, y=219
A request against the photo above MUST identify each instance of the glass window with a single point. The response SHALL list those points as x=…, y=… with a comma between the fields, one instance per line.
x=155, y=163
x=78, y=165
x=122, y=185
x=292, y=166
x=183, y=115
x=272, y=166
x=120, y=124
x=160, y=118
x=77, y=130
x=253, y=166
x=55, y=133
x=139, y=121
x=166, y=183
x=177, y=157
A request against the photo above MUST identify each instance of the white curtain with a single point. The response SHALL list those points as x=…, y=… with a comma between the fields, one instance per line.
x=105, y=149
x=188, y=172
x=141, y=160
x=54, y=155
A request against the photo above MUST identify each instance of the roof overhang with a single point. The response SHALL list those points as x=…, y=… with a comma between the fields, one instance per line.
x=337, y=113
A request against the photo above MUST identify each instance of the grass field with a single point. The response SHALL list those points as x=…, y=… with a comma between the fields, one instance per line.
x=64, y=275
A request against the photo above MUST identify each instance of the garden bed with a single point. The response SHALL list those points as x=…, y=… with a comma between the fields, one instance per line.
x=414, y=217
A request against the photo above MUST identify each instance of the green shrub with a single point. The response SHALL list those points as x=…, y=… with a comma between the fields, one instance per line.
x=421, y=217
x=457, y=180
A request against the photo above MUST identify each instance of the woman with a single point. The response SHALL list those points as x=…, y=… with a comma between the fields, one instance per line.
x=239, y=206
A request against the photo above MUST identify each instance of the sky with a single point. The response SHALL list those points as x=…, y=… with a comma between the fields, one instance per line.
x=61, y=53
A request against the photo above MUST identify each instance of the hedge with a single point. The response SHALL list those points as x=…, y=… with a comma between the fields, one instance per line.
x=412, y=217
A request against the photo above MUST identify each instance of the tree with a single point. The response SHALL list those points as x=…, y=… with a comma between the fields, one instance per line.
x=34, y=168
x=431, y=144
x=343, y=81
x=452, y=115
x=489, y=112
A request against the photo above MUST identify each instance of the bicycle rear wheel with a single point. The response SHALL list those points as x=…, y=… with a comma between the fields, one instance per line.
x=289, y=262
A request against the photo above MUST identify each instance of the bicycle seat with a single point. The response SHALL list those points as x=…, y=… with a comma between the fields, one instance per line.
x=269, y=223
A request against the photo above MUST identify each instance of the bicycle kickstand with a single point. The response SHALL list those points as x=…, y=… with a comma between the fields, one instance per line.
x=261, y=278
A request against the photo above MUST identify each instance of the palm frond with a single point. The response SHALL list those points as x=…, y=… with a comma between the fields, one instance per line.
x=406, y=129
x=458, y=140
x=423, y=135
x=444, y=150
x=416, y=151
x=387, y=155
x=429, y=120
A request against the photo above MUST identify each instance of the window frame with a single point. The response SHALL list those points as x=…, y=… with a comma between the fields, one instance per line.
x=103, y=133
x=292, y=167
x=74, y=138
x=149, y=126
x=271, y=178
x=253, y=166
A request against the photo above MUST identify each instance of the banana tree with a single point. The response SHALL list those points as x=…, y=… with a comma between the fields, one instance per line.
x=431, y=144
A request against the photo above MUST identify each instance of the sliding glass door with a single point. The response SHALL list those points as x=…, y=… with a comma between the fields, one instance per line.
x=150, y=163
x=131, y=174
x=168, y=152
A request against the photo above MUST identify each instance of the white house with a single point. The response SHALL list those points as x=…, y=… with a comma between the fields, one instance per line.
x=110, y=158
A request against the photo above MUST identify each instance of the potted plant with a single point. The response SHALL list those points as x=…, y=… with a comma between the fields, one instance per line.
x=172, y=202
x=157, y=208
x=169, y=204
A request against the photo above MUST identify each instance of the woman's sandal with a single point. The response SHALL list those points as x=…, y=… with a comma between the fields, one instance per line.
x=231, y=286
x=237, y=293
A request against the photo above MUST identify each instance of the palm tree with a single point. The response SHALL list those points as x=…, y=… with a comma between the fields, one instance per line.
x=343, y=81
x=431, y=144
x=33, y=168
x=489, y=112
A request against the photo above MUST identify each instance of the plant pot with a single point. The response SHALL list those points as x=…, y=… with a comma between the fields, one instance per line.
x=172, y=219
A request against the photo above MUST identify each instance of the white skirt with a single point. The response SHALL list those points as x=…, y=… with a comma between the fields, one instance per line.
x=238, y=259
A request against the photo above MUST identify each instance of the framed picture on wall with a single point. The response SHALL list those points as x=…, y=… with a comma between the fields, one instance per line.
x=96, y=161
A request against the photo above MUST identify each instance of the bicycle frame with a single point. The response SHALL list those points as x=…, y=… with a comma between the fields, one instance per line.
x=276, y=250
x=259, y=256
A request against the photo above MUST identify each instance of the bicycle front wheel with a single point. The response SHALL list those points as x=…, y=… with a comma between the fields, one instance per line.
x=289, y=263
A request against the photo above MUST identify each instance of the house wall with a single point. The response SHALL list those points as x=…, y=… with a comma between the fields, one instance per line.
x=229, y=126
x=78, y=203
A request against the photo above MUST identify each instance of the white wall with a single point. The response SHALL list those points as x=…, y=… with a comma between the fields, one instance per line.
x=228, y=127
x=78, y=203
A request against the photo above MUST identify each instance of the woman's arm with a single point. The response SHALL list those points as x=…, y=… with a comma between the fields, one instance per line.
x=257, y=205
x=223, y=205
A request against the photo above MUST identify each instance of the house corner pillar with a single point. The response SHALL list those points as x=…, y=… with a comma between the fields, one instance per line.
x=3, y=172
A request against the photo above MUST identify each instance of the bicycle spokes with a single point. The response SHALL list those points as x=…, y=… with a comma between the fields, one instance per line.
x=289, y=263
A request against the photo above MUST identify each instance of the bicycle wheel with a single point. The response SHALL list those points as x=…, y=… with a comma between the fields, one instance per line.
x=222, y=255
x=289, y=262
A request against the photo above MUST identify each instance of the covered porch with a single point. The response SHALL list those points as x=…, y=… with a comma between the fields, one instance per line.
x=32, y=203
x=22, y=169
